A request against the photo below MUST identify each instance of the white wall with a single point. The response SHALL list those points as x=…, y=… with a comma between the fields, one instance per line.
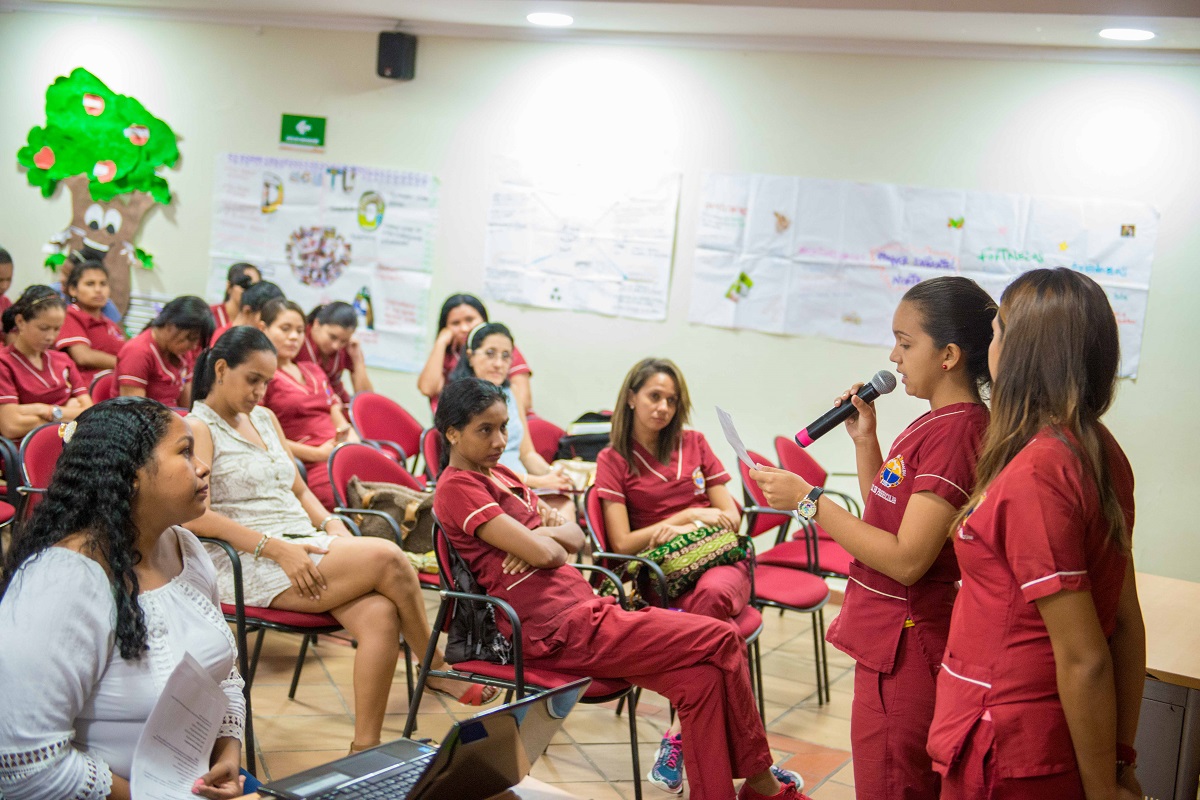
x=1117, y=131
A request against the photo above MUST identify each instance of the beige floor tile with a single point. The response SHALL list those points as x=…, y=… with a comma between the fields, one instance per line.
x=831, y=790
x=844, y=775
x=285, y=734
x=815, y=726
x=281, y=765
x=279, y=669
x=270, y=700
x=596, y=790
x=613, y=759
x=565, y=763
x=602, y=726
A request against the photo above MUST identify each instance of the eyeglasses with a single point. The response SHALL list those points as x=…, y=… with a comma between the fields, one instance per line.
x=493, y=355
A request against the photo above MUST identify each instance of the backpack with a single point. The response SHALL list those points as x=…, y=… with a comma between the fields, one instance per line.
x=586, y=436
x=473, y=635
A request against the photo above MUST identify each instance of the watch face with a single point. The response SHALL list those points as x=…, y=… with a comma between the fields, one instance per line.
x=807, y=508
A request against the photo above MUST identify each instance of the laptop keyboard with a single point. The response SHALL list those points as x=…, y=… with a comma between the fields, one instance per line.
x=393, y=785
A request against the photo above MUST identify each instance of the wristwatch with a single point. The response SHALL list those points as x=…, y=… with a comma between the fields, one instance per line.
x=807, y=508
x=56, y=413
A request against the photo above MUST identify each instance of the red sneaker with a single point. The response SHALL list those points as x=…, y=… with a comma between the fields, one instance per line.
x=787, y=792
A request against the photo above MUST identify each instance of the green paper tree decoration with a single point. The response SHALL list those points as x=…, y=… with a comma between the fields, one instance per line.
x=108, y=150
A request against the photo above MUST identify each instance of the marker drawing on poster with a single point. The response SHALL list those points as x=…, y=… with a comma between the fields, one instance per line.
x=826, y=258
x=327, y=232
x=582, y=241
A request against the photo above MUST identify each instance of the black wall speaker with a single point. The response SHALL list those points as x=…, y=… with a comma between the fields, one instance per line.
x=397, y=56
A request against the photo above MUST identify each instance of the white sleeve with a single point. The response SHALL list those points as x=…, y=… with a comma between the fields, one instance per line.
x=233, y=724
x=57, y=626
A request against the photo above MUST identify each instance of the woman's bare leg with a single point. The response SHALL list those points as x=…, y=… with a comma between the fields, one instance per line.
x=372, y=620
x=355, y=567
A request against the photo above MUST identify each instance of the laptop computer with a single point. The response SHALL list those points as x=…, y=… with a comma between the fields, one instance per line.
x=480, y=757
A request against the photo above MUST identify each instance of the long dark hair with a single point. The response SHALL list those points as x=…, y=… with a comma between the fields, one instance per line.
x=92, y=492
x=456, y=300
x=239, y=276
x=260, y=294
x=234, y=347
x=956, y=310
x=476, y=338
x=460, y=402
x=336, y=313
x=34, y=300
x=622, y=419
x=187, y=313
x=1059, y=357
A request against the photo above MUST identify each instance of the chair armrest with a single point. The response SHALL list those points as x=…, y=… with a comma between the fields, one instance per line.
x=349, y=523
x=612, y=576
x=656, y=570
x=395, y=526
x=751, y=560
x=28, y=490
x=384, y=444
x=239, y=604
x=513, y=620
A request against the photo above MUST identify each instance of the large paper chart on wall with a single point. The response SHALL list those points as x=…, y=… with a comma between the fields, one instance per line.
x=328, y=232
x=833, y=258
x=584, y=244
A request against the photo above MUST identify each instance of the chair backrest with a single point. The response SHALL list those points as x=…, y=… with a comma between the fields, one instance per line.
x=545, y=435
x=441, y=550
x=39, y=454
x=759, y=523
x=796, y=459
x=431, y=452
x=354, y=459
x=593, y=515
x=104, y=387
x=383, y=419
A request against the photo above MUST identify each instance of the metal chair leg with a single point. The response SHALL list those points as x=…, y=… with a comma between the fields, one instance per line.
x=299, y=665
x=633, y=743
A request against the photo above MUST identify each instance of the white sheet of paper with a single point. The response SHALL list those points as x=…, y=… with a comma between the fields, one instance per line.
x=731, y=436
x=175, y=746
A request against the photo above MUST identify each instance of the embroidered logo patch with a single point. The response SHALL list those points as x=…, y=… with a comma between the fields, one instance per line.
x=892, y=472
x=698, y=480
x=962, y=529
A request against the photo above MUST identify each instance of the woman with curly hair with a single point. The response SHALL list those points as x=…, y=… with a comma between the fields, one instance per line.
x=100, y=597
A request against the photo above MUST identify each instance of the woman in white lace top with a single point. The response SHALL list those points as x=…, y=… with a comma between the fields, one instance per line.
x=300, y=558
x=101, y=596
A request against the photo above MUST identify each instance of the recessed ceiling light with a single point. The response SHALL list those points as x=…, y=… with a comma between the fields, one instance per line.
x=1126, y=34
x=550, y=20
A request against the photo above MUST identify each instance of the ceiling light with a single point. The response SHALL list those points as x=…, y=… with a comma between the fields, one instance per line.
x=1126, y=34
x=550, y=20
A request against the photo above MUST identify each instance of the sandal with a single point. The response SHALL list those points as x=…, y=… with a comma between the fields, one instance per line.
x=476, y=694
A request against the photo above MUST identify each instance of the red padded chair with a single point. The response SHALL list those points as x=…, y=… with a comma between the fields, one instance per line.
x=515, y=677
x=104, y=387
x=782, y=575
x=545, y=435
x=431, y=453
x=384, y=422
x=39, y=454
x=352, y=459
x=831, y=558
x=749, y=622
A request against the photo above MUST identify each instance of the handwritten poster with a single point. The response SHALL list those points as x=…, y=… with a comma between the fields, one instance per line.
x=326, y=232
x=833, y=258
x=582, y=242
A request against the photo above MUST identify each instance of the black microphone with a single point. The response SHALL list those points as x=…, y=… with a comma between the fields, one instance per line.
x=882, y=383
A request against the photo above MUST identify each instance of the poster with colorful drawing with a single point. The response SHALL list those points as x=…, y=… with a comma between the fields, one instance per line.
x=327, y=232
x=582, y=241
x=810, y=257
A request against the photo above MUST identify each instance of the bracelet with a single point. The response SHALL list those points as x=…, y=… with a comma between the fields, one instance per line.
x=325, y=522
x=1126, y=755
x=261, y=544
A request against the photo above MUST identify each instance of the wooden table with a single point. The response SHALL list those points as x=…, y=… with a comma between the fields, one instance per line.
x=528, y=789
x=1170, y=608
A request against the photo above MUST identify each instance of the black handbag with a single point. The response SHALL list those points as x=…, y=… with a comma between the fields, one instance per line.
x=473, y=635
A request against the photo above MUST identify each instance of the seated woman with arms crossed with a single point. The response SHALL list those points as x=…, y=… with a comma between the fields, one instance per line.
x=517, y=548
x=304, y=558
x=101, y=596
x=300, y=397
x=157, y=363
x=37, y=383
x=657, y=481
x=330, y=344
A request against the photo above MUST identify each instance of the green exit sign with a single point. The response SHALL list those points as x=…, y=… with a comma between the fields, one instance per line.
x=302, y=133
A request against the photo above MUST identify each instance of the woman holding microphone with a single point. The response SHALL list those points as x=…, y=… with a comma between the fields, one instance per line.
x=1042, y=677
x=896, y=613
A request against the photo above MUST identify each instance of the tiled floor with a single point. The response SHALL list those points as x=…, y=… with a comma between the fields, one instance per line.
x=590, y=758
